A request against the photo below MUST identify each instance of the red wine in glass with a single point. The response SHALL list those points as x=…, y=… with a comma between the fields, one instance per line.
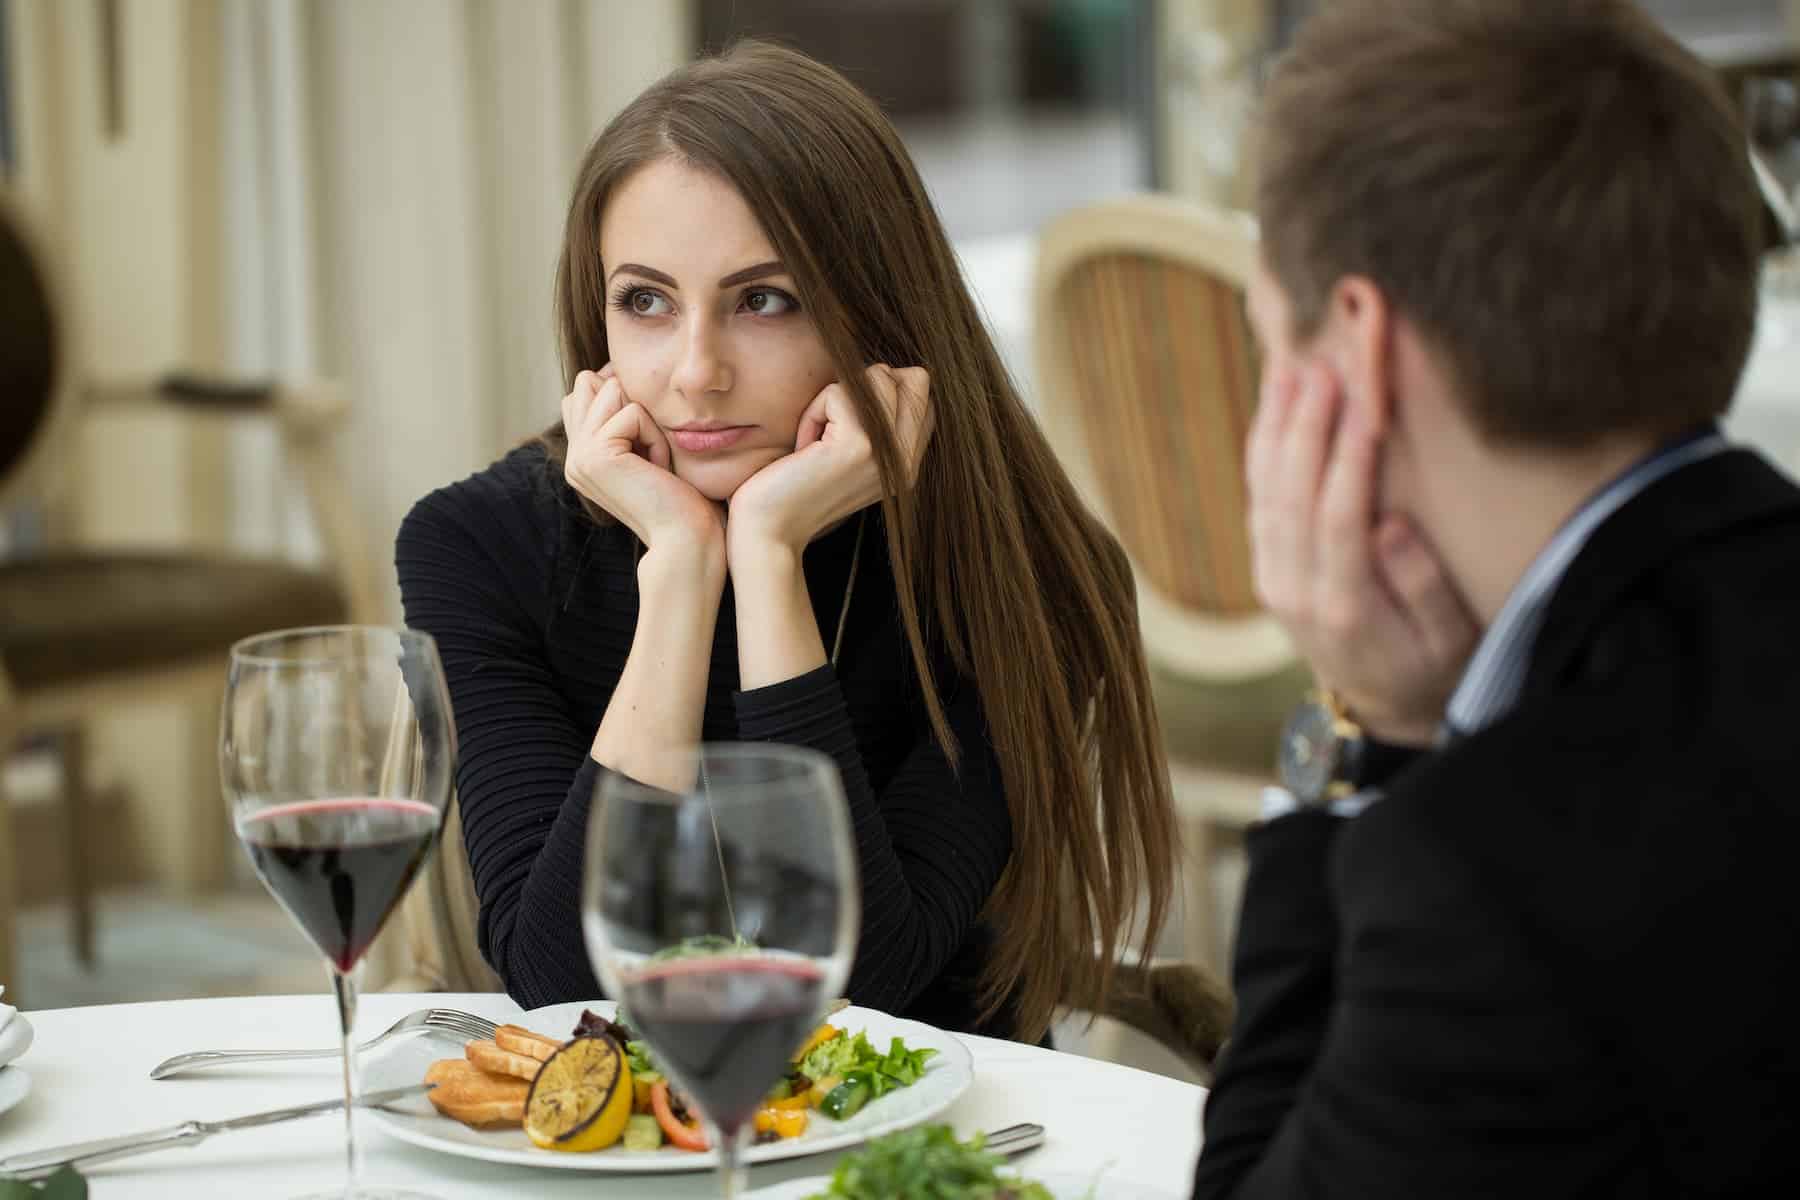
x=337, y=749
x=340, y=866
x=725, y=1027
x=720, y=908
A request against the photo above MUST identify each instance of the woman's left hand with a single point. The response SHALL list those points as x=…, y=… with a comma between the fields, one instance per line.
x=831, y=473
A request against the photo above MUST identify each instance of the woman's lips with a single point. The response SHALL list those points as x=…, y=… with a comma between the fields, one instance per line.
x=707, y=439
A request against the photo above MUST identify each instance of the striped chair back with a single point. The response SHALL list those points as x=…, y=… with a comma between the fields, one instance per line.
x=1164, y=381
x=1146, y=381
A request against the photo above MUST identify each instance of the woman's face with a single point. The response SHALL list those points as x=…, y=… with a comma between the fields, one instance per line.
x=704, y=324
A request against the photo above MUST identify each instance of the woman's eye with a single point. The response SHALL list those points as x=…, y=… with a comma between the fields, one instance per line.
x=646, y=303
x=768, y=302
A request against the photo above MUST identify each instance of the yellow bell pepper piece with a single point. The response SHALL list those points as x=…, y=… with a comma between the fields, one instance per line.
x=785, y=1122
x=798, y=1100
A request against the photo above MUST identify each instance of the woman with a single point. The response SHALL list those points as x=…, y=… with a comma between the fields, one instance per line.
x=795, y=498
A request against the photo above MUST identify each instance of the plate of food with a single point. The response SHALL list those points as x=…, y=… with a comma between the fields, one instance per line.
x=565, y=1087
x=927, y=1162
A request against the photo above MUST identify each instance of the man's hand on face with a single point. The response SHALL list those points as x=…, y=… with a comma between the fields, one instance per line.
x=1362, y=593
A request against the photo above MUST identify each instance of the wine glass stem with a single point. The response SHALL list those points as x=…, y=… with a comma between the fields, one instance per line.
x=344, y=984
x=731, y=1161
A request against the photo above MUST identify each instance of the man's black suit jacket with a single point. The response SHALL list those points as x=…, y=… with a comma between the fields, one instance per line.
x=1562, y=956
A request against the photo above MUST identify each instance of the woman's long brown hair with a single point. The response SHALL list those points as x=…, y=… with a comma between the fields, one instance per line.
x=994, y=551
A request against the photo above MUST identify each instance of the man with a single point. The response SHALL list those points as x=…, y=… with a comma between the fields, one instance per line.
x=1525, y=920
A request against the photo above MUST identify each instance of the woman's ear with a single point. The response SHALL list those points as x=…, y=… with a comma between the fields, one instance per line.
x=1357, y=338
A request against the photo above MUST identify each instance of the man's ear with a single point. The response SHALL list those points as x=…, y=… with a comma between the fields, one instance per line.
x=1357, y=337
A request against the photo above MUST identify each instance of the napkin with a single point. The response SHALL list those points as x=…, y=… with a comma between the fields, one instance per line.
x=15, y=1032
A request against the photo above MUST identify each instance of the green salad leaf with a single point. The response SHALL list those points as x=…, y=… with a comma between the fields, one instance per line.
x=833, y=1057
x=643, y=1066
x=856, y=1060
x=926, y=1163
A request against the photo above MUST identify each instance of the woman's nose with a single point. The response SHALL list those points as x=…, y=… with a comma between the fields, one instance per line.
x=702, y=367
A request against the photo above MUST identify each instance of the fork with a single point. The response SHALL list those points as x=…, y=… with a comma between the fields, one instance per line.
x=467, y=1026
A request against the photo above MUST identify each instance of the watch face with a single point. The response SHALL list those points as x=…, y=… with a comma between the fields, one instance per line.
x=1307, y=761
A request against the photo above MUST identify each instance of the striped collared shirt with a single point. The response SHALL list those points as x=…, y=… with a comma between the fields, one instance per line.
x=1490, y=684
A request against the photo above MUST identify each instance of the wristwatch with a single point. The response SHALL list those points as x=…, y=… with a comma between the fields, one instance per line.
x=1325, y=755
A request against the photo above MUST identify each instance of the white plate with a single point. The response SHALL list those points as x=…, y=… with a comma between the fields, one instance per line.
x=1063, y=1186
x=15, y=1085
x=947, y=1076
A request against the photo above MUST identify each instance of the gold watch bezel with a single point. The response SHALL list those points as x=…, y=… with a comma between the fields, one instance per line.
x=1340, y=732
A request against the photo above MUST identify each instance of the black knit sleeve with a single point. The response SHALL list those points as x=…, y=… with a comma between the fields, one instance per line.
x=474, y=563
x=931, y=845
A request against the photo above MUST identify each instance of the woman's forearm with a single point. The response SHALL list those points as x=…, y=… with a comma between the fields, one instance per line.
x=661, y=696
x=778, y=636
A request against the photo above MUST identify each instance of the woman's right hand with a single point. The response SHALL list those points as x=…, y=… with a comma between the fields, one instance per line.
x=618, y=457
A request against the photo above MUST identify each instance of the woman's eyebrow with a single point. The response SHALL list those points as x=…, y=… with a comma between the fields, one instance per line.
x=759, y=271
x=647, y=272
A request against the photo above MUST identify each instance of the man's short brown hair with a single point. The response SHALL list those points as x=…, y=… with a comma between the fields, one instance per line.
x=1554, y=191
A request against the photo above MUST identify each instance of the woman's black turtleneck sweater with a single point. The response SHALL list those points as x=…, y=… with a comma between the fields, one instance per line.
x=533, y=606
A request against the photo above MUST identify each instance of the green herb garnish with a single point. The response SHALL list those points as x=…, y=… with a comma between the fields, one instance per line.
x=65, y=1184
x=926, y=1163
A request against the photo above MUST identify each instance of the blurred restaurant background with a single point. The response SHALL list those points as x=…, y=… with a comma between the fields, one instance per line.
x=360, y=203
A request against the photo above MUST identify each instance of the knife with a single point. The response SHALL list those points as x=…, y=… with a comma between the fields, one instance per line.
x=188, y=1133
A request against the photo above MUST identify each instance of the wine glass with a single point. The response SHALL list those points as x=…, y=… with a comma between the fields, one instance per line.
x=720, y=907
x=336, y=748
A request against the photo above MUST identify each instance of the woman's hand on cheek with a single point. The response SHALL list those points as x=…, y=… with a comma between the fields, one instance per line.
x=618, y=457
x=832, y=472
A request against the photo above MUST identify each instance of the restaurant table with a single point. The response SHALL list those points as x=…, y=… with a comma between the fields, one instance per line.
x=90, y=1071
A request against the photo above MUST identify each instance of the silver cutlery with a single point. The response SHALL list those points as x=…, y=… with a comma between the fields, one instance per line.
x=1014, y=1139
x=189, y=1133
x=464, y=1025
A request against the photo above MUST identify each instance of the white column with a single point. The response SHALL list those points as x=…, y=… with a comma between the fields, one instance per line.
x=1209, y=50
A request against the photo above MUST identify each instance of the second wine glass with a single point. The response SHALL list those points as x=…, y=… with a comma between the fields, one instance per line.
x=720, y=910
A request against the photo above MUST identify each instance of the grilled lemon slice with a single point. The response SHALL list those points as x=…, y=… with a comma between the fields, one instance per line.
x=581, y=1097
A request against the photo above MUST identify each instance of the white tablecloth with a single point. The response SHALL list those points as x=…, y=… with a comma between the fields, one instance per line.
x=90, y=1071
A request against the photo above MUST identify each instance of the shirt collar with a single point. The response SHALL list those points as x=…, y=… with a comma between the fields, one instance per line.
x=1491, y=683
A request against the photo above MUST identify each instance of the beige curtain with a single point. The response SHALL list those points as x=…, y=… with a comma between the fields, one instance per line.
x=408, y=181
x=403, y=206
x=370, y=189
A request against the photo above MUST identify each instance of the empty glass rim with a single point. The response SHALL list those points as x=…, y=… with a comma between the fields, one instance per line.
x=787, y=762
x=247, y=649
